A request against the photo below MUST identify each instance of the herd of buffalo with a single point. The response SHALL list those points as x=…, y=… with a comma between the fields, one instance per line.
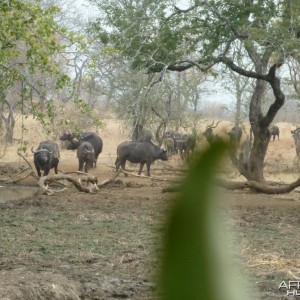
x=89, y=145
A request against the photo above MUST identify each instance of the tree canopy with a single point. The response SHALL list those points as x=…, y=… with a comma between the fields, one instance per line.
x=160, y=37
x=30, y=38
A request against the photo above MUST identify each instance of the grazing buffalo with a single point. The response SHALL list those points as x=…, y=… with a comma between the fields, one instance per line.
x=274, y=132
x=46, y=157
x=139, y=152
x=86, y=156
x=75, y=140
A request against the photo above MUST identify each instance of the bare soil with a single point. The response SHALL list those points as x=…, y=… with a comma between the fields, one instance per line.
x=106, y=245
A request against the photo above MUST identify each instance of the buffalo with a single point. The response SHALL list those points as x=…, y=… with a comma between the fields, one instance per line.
x=86, y=156
x=186, y=145
x=46, y=157
x=177, y=138
x=75, y=140
x=139, y=152
x=274, y=132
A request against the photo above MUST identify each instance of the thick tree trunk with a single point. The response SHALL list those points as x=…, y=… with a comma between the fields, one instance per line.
x=137, y=128
x=257, y=156
x=252, y=168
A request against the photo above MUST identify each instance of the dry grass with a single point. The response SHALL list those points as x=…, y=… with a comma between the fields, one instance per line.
x=116, y=232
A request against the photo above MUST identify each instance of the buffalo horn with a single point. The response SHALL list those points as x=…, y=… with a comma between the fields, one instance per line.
x=87, y=151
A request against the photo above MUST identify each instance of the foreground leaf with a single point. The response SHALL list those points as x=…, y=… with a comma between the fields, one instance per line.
x=195, y=262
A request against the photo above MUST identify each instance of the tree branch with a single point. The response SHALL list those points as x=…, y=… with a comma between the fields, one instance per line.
x=259, y=187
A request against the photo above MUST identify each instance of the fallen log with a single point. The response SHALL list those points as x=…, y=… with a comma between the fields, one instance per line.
x=259, y=186
x=254, y=185
x=75, y=181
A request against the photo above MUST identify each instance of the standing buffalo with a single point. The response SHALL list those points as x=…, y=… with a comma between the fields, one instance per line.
x=86, y=156
x=75, y=140
x=46, y=157
x=176, y=136
x=186, y=145
x=139, y=152
x=275, y=132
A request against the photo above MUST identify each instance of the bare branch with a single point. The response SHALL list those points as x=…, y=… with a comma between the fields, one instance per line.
x=179, y=11
x=76, y=182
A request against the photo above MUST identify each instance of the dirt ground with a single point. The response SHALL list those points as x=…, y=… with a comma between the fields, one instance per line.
x=74, y=245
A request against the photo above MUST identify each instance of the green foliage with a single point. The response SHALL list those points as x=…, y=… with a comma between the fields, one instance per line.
x=31, y=43
x=152, y=34
x=28, y=29
x=193, y=266
x=132, y=28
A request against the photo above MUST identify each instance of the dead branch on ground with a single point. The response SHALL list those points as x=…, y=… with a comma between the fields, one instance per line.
x=143, y=176
x=254, y=185
x=76, y=182
x=259, y=187
x=11, y=180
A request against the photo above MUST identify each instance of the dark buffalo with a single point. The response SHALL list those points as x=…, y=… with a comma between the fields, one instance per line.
x=186, y=145
x=139, y=152
x=274, y=132
x=177, y=138
x=75, y=140
x=86, y=156
x=46, y=157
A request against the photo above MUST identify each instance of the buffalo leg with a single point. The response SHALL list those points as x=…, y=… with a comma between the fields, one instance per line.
x=117, y=164
x=38, y=169
x=141, y=168
x=80, y=168
x=55, y=168
x=85, y=167
x=39, y=172
x=123, y=167
x=94, y=164
x=46, y=171
x=148, y=169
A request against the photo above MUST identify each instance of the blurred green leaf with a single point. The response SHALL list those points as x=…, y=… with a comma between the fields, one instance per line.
x=194, y=261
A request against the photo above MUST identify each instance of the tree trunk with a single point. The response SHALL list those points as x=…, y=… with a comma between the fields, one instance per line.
x=137, y=128
x=257, y=156
x=253, y=168
x=9, y=122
